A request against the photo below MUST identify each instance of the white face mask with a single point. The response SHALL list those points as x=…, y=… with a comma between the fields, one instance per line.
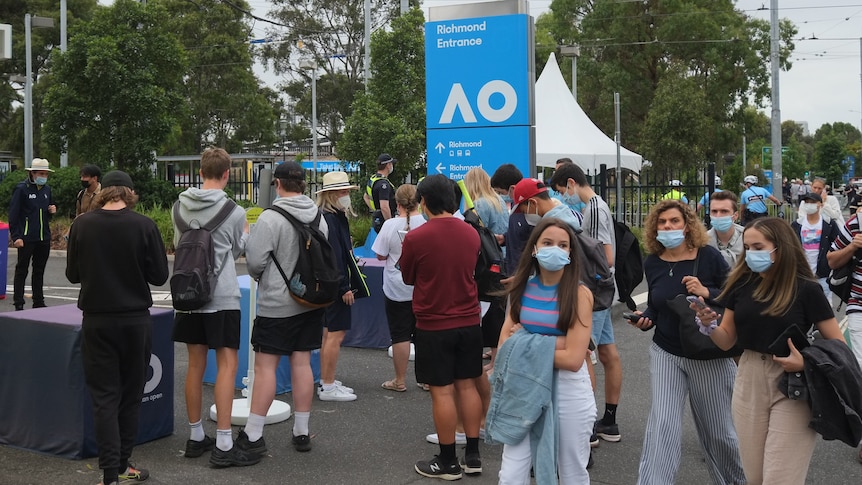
x=344, y=202
x=807, y=208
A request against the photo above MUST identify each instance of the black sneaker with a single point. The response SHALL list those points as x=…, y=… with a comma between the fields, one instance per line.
x=594, y=440
x=472, y=464
x=607, y=432
x=435, y=469
x=233, y=457
x=195, y=449
x=302, y=442
x=257, y=447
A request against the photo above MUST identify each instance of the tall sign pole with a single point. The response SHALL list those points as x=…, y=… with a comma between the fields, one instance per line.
x=775, y=59
x=480, y=88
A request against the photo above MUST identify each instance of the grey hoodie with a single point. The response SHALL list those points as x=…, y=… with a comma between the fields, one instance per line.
x=273, y=234
x=229, y=240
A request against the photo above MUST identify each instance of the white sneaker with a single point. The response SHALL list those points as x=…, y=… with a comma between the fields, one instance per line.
x=460, y=438
x=337, y=383
x=335, y=394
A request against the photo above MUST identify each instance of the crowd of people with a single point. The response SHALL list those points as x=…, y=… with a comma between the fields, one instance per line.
x=751, y=280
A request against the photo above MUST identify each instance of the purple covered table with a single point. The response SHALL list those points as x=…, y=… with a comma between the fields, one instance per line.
x=44, y=400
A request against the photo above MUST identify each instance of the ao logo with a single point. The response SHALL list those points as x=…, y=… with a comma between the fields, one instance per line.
x=154, y=381
x=458, y=99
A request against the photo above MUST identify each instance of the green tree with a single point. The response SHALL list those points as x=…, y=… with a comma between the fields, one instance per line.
x=117, y=91
x=227, y=104
x=829, y=155
x=390, y=117
x=43, y=41
x=630, y=47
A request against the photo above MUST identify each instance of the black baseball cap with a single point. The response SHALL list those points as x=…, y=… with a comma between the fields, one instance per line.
x=812, y=196
x=385, y=158
x=289, y=170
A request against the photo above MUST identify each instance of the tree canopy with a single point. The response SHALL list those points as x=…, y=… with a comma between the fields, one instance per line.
x=227, y=104
x=390, y=116
x=661, y=55
x=116, y=94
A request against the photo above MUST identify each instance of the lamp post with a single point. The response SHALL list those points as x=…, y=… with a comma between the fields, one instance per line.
x=573, y=51
x=29, y=23
x=311, y=65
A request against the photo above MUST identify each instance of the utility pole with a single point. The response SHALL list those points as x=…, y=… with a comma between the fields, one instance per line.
x=366, y=62
x=776, y=104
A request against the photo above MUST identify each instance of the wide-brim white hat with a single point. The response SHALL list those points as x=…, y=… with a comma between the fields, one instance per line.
x=336, y=181
x=40, y=164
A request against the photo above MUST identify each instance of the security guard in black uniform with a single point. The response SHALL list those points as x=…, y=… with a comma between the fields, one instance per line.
x=380, y=188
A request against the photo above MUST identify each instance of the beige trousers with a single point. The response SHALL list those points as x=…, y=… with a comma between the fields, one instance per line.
x=775, y=441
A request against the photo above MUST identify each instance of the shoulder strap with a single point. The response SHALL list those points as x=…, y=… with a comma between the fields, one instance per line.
x=221, y=216
x=182, y=225
x=696, y=260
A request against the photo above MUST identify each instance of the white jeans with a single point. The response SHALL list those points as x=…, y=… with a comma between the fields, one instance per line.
x=824, y=283
x=854, y=322
x=576, y=413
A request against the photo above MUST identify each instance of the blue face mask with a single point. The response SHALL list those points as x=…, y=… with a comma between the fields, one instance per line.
x=579, y=207
x=722, y=224
x=670, y=239
x=41, y=180
x=759, y=261
x=570, y=200
x=507, y=199
x=552, y=258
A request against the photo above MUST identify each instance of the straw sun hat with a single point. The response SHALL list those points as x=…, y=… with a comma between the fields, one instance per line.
x=336, y=181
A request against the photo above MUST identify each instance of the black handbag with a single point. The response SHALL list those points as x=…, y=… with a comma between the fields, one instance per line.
x=696, y=345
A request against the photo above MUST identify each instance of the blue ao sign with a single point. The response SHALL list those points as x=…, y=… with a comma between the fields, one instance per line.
x=479, y=94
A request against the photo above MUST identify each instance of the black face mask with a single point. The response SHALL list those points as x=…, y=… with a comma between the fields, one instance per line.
x=85, y=184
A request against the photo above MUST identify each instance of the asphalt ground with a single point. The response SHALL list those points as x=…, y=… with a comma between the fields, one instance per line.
x=377, y=438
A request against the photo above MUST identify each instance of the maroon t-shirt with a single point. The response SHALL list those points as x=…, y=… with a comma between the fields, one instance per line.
x=439, y=258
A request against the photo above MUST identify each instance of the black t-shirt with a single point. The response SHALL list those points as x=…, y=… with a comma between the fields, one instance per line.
x=712, y=270
x=755, y=330
x=383, y=190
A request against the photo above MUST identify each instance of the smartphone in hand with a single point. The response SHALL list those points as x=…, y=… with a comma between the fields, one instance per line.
x=632, y=317
x=693, y=299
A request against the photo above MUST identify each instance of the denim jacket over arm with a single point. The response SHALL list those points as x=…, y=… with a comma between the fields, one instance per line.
x=524, y=400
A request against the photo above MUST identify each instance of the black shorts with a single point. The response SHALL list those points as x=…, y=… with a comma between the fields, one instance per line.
x=282, y=336
x=216, y=330
x=402, y=321
x=492, y=322
x=338, y=316
x=444, y=356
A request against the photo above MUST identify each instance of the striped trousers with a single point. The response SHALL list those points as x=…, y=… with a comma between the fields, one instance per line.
x=708, y=384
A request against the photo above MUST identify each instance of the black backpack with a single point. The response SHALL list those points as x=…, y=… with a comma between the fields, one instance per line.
x=194, y=278
x=628, y=264
x=487, y=273
x=595, y=272
x=316, y=280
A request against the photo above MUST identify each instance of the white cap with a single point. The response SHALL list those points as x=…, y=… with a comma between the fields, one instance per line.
x=675, y=183
x=750, y=179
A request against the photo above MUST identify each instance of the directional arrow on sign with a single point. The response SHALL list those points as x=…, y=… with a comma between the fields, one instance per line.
x=440, y=146
x=440, y=167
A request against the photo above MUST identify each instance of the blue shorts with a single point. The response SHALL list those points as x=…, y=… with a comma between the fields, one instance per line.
x=603, y=329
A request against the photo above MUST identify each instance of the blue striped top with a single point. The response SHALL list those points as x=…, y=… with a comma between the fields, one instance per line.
x=539, y=310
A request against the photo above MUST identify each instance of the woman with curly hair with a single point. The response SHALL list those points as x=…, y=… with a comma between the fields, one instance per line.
x=677, y=243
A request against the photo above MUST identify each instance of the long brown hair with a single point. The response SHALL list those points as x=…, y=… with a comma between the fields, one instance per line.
x=567, y=290
x=778, y=286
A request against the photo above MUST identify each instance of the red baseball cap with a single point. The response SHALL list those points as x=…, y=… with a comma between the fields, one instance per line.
x=526, y=188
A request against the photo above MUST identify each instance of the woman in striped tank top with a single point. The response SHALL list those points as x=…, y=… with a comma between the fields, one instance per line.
x=546, y=297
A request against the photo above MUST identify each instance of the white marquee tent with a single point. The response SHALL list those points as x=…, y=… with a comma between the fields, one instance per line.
x=564, y=130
